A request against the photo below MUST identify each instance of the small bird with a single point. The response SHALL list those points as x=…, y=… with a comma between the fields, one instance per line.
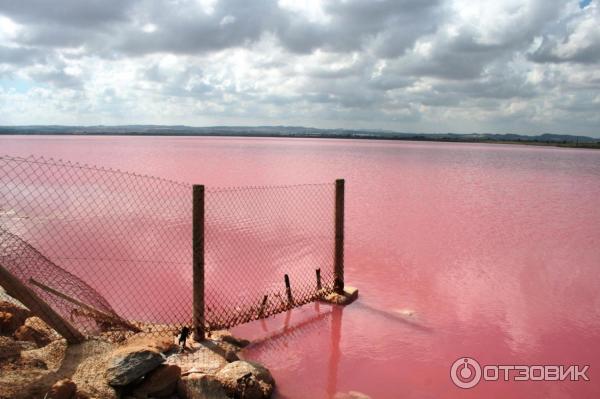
x=185, y=332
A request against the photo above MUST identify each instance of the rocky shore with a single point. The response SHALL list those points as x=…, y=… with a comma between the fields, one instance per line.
x=35, y=362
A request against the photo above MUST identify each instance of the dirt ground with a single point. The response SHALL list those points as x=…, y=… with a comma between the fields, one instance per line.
x=35, y=371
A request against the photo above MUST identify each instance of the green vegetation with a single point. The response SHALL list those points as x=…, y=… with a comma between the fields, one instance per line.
x=558, y=140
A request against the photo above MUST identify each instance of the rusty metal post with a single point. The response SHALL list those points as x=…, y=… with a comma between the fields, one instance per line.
x=339, y=236
x=288, y=290
x=198, y=261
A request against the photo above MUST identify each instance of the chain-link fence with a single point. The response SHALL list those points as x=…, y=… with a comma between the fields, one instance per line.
x=257, y=235
x=108, y=249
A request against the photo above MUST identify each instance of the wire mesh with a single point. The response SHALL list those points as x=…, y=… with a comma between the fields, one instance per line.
x=126, y=235
x=254, y=237
x=102, y=246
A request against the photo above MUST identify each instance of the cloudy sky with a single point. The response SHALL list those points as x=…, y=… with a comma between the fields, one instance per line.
x=523, y=66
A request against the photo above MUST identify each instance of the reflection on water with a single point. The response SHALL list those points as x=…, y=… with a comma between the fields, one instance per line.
x=329, y=318
x=334, y=350
x=401, y=316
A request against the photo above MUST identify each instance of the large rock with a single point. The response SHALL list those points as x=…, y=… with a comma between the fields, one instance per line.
x=246, y=379
x=11, y=348
x=227, y=336
x=52, y=354
x=11, y=317
x=202, y=360
x=161, y=382
x=63, y=389
x=130, y=364
x=224, y=349
x=200, y=386
x=36, y=330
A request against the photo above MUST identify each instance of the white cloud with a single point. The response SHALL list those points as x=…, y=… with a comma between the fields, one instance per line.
x=527, y=66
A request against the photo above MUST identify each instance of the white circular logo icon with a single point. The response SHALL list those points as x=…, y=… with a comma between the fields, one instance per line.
x=465, y=372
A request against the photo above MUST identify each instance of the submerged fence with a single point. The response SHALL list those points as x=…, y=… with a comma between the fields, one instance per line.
x=111, y=250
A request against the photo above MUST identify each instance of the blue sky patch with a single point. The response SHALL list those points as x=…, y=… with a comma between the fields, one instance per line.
x=584, y=3
x=20, y=85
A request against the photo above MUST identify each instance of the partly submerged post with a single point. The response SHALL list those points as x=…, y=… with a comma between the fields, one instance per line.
x=263, y=304
x=319, y=286
x=288, y=290
x=339, y=237
x=198, y=260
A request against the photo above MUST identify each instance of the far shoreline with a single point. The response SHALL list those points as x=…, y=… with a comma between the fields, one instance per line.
x=531, y=140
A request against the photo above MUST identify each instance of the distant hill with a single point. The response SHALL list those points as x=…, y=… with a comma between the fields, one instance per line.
x=299, y=131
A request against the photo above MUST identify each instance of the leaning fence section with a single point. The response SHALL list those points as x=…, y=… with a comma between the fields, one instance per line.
x=98, y=245
x=110, y=250
x=267, y=249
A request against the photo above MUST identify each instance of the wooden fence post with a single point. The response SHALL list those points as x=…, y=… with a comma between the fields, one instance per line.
x=319, y=286
x=198, y=261
x=339, y=236
x=96, y=314
x=18, y=290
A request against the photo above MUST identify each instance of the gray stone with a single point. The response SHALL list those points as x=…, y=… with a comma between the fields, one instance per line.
x=160, y=382
x=202, y=358
x=239, y=342
x=246, y=379
x=200, y=386
x=127, y=367
x=231, y=356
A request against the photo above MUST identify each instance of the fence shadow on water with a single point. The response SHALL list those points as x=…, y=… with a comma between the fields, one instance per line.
x=108, y=249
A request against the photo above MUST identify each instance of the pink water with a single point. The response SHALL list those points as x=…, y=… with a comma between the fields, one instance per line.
x=488, y=251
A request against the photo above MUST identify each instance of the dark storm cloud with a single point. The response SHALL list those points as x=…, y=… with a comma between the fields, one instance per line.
x=457, y=58
x=68, y=23
x=585, y=101
x=393, y=24
x=466, y=54
x=51, y=36
x=56, y=77
x=575, y=39
x=106, y=27
x=20, y=55
x=548, y=52
x=64, y=13
x=390, y=82
x=498, y=84
x=187, y=29
x=184, y=26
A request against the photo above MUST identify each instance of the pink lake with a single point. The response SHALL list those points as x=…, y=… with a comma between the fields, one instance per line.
x=486, y=251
